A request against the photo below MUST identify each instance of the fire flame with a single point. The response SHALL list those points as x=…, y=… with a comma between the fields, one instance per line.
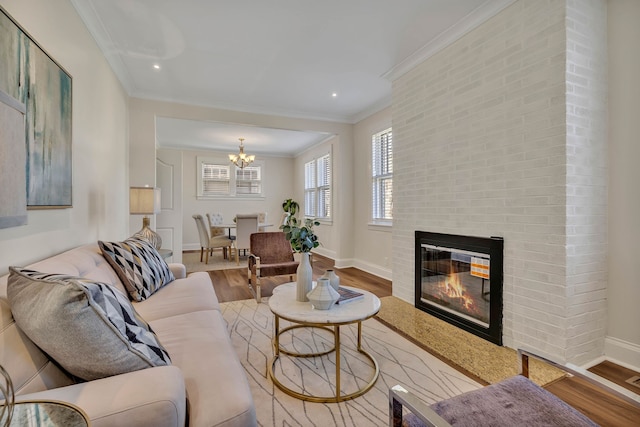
x=452, y=288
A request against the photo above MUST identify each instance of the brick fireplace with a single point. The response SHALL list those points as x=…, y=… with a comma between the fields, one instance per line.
x=503, y=133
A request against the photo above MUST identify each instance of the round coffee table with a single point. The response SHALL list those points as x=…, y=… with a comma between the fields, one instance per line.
x=283, y=305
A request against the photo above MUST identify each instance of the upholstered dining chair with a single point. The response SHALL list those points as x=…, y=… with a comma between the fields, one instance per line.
x=246, y=225
x=262, y=219
x=215, y=221
x=209, y=243
x=270, y=254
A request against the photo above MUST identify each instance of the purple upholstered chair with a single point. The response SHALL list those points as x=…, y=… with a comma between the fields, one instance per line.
x=516, y=401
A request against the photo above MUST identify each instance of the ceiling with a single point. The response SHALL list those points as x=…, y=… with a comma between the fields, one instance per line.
x=326, y=60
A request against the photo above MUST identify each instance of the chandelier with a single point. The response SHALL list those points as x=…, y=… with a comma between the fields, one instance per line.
x=241, y=160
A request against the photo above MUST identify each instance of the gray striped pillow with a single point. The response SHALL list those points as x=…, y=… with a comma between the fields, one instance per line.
x=89, y=328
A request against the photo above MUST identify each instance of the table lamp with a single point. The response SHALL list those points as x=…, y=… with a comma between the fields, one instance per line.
x=145, y=201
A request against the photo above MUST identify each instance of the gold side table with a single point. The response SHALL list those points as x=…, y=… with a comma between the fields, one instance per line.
x=283, y=305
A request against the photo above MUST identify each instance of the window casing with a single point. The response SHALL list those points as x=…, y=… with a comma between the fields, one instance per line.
x=218, y=178
x=317, y=188
x=382, y=177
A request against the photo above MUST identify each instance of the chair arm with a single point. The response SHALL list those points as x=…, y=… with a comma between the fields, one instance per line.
x=399, y=397
x=253, y=259
x=615, y=389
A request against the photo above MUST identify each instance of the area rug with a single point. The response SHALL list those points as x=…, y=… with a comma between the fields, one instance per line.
x=486, y=362
x=401, y=362
x=191, y=261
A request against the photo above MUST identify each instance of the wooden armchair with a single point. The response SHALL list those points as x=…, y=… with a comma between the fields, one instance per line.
x=516, y=401
x=270, y=254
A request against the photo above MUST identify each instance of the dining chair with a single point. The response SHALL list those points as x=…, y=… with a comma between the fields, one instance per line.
x=215, y=220
x=270, y=255
x=246, y=225
x=209, y=243
x=283, y=219
x=262, y=219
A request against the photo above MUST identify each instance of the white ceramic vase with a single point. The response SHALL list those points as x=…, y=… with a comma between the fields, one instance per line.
x=333, y=279
x=323, y=296
x=304, y=278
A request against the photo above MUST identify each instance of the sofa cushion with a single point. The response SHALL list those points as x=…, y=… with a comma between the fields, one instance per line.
x=181, y=296
x=139, y=265
x=217, y=388
x=88, y=328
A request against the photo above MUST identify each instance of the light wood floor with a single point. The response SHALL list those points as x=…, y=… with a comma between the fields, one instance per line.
x=602, y=408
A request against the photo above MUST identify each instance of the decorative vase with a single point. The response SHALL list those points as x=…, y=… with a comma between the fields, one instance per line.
x=323, y=296
x=333, y=279
x=304, y=278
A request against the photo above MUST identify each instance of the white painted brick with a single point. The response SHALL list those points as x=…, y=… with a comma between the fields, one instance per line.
x=503, y=133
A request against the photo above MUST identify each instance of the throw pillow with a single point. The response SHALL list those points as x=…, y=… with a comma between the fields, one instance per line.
x=139, y=265
x=89, y=328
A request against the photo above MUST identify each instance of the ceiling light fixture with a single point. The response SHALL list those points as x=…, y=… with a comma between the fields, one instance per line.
x=241, y=160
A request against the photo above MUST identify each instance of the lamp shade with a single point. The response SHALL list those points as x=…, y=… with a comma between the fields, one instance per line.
x=144, y=200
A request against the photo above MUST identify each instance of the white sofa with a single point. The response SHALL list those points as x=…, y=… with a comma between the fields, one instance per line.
x=204, y=386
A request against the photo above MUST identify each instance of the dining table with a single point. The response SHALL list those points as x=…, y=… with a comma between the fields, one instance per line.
x=229, y=226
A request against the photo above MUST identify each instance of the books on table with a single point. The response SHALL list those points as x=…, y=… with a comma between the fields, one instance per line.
x=348, y=295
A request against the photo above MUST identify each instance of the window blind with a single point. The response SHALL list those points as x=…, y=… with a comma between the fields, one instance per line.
x=382, y=175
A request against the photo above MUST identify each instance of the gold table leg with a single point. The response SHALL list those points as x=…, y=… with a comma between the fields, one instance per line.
x=338, y=397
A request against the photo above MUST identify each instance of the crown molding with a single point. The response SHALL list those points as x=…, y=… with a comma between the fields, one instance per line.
x=478, y=16
x=94, y=25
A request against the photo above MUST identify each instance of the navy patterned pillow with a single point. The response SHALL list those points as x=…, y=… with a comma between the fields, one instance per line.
x=89, y=328
x=139, y=265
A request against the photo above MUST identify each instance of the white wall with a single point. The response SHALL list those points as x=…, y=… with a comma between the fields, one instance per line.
x=277, y=182
x=623, y=340
x=372, y=243
x=100, y=141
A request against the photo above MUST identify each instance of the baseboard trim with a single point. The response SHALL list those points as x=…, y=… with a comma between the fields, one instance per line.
x=622, y=352
x=385, y=273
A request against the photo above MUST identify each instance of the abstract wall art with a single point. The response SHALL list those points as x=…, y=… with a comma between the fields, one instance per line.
x=34, y=79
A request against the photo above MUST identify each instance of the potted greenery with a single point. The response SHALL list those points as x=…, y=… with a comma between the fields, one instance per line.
x=303, y=239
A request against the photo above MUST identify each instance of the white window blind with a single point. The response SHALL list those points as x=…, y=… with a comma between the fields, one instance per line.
x=310, y=190
x=323, y=166
x=218, y=178
x=215, y=179
x=248, y=180
x=317, y=187
x=382, y=176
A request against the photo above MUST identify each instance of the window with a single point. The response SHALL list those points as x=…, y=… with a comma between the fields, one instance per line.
x=219, y=178
x=382, y=176
x=317, y=187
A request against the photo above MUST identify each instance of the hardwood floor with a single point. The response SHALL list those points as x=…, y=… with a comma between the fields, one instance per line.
x=232, y=285
x=604, y=409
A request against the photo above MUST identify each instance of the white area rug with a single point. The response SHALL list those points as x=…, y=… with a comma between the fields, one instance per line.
x=401, y=362
x=192, y=262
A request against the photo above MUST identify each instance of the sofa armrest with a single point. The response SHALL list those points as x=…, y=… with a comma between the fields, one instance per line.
x=149, y=397
x=179, y=270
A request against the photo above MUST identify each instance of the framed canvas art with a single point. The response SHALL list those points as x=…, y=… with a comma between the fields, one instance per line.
x=33, y=78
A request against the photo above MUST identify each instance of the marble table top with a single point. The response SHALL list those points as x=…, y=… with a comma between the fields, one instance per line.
x=283, y=303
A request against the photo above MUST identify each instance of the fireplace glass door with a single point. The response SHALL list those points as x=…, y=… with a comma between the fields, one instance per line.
x=457, y=281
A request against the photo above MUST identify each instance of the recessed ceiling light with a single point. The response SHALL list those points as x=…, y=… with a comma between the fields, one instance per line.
x=156, y=66
x=334, y=94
